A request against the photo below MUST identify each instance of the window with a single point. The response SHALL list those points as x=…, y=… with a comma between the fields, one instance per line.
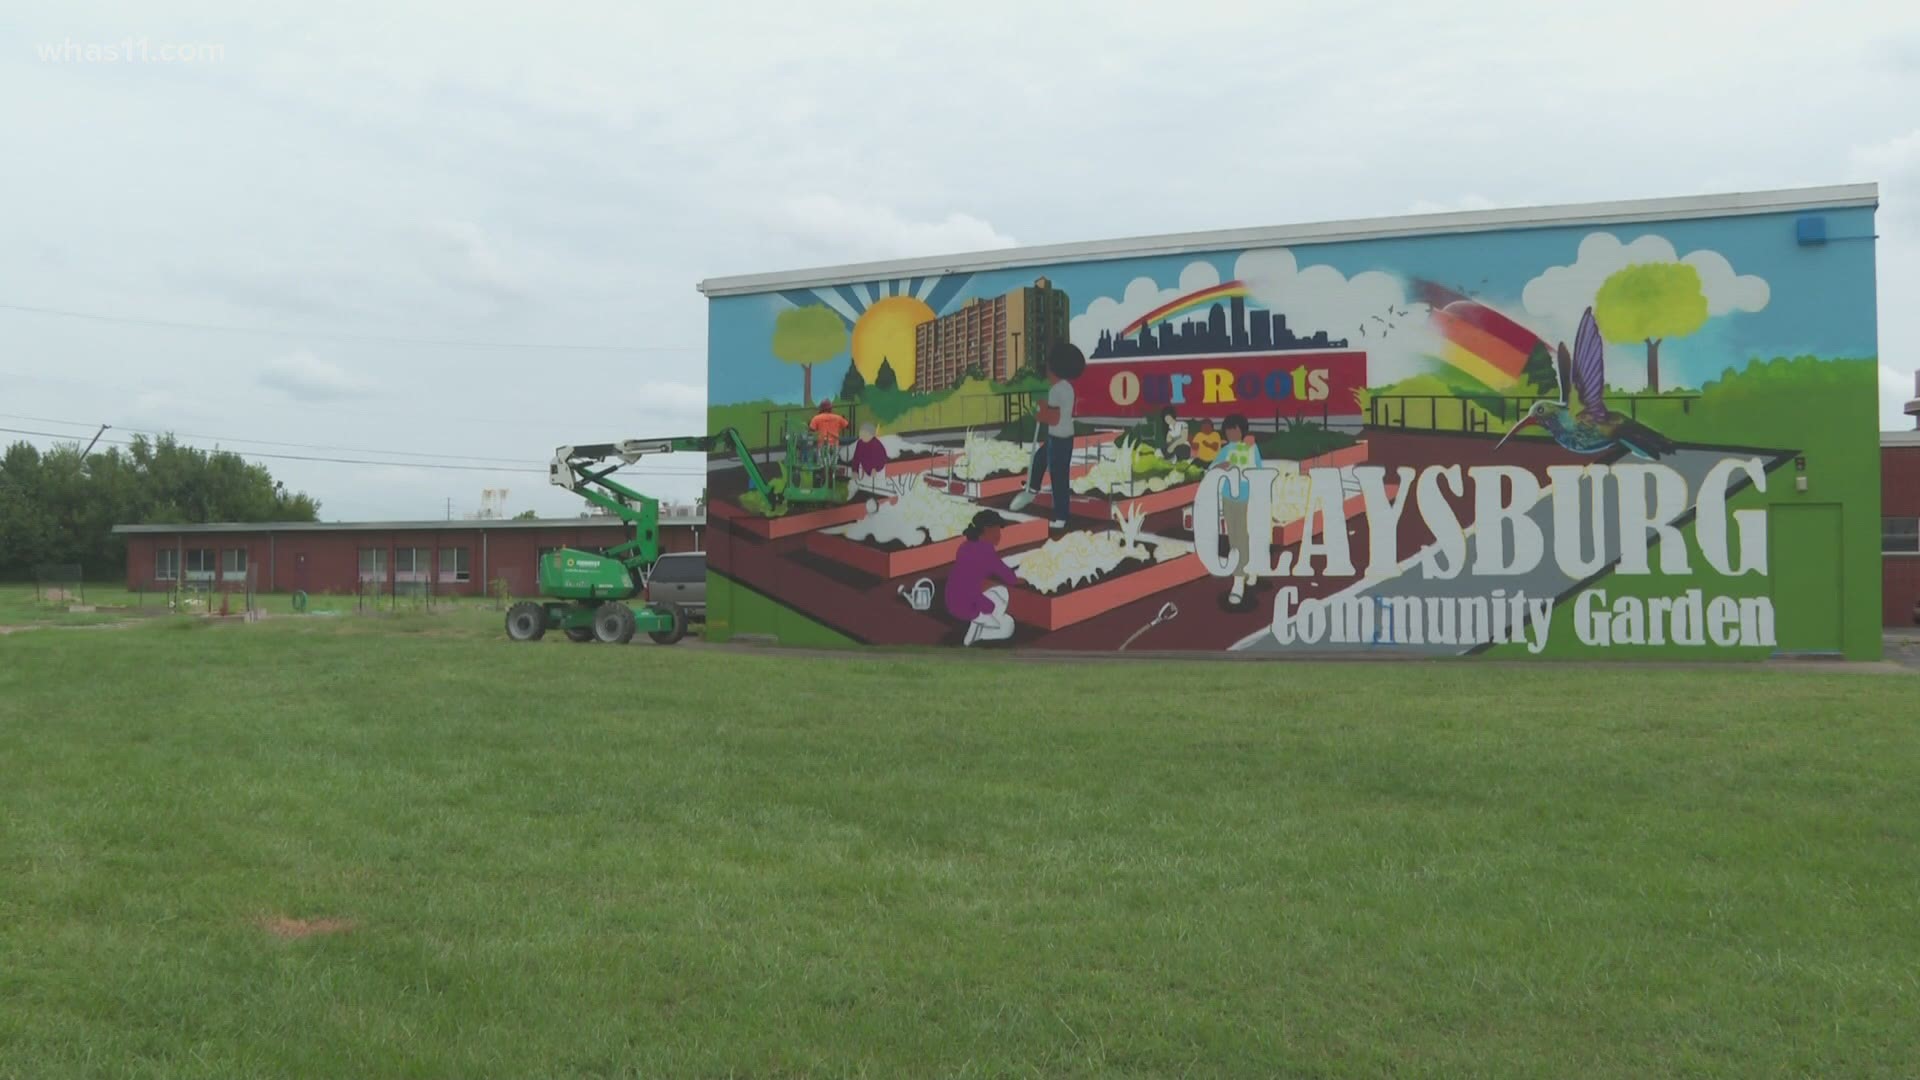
x=679, y=569
x=199, y=564
x=166, y=565
x=373, y=564
x=1900, y=536
x=233, y=564
x=454, y=565
x=411, y=564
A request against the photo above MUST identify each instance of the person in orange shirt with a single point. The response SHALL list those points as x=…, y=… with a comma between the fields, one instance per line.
x=1206, y=443
x=827, y=425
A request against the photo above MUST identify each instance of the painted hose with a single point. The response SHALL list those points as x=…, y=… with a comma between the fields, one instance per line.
x=299, y=600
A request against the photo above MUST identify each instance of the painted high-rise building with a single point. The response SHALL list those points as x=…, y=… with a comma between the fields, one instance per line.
x=995, y=337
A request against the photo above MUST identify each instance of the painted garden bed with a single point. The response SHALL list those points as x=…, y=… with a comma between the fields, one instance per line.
x=893, y=559
x=796, y=521
x=1144, y=572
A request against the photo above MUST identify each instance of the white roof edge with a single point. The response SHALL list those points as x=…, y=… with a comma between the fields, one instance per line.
x=1900, y=438
x=457, y=525
x=1785, y=200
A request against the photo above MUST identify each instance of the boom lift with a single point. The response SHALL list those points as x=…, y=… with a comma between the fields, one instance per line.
x=586, y=591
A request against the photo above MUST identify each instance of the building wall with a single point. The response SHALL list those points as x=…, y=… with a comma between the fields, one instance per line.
x=329, y=561
x=1731, y=511
x=1900, y=498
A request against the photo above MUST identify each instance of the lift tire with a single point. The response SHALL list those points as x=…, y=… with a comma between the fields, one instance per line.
x=526, y=621
x=581, y=635
x=613, y=624
x=673, y=636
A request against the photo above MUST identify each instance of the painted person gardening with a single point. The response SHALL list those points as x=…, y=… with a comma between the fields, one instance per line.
x=970, y=596
x=1239, y=452
x=869, y=461
x=1053, y=456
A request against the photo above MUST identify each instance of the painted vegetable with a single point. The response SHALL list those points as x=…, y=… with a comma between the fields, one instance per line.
x=1082, y=557
x=917, y=515
x=981, y=458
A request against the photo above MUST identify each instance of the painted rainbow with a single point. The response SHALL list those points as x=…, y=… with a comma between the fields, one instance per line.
x=1213, y=294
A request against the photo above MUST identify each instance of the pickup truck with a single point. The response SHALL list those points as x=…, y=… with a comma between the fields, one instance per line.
x=680, y=579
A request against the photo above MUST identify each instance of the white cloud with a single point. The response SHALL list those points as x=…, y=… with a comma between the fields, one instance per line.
x=868, y=231
x=1370, y=309
x=1142, y=295
x=303, y=376
x=1560, y=294
x=461, y=255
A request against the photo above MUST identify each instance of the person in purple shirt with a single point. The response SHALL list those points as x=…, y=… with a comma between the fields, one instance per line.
x=969, y=596
x=869, y=458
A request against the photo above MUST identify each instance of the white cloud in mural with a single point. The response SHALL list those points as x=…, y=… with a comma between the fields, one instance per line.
x=1370, y=309
x=1560, y=294
x=1142, y=295
x=852, y=230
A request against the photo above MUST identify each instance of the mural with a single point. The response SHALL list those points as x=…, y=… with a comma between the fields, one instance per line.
x=1557, y=441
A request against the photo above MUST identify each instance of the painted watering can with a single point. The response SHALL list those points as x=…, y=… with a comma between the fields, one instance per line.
x=920, y=597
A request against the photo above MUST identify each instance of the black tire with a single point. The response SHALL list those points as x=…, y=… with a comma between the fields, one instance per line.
x=679, y=630
x=581, y=635
x=613, y=624
x=526, y=621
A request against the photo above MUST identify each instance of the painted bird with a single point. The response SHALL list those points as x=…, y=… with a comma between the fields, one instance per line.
x=1595, y=428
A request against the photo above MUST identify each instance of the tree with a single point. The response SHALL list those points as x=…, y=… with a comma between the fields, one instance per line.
x=1542, y=372
x=885, y=379
x=854, y=384
x=1650, y=302
x=527, y=515
x=807, y=336
x=61, y=506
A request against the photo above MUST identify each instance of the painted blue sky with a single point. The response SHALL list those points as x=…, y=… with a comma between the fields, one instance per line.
x=1817, y=300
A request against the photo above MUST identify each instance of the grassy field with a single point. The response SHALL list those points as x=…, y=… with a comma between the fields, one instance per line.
x=403, y=847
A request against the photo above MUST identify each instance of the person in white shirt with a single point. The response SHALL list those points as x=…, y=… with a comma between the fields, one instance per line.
x=1053, y=456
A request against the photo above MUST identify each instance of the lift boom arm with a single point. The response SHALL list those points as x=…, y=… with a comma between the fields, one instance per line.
x=579, y=469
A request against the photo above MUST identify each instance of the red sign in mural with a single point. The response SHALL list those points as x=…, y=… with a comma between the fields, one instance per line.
x=1256, y=384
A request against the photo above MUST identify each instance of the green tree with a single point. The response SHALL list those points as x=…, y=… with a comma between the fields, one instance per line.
x=61, y=506
x=527, y=515
x=1650, y=302
x=807, y=336
x=885, y=379
x=854, y=384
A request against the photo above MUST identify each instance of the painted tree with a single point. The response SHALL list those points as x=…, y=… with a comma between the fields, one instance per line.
x=1650, y=302
x=885, y=379
x=807, y=336
x=853, y=385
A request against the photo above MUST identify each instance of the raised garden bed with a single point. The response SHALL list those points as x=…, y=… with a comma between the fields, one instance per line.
x=1134, y=578
x=798, y=520
x=893, y=559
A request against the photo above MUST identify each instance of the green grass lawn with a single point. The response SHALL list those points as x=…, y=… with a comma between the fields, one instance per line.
x=562, y=860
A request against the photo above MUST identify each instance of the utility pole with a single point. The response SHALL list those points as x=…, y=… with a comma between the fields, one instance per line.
x=449, y=508
x=96, y=439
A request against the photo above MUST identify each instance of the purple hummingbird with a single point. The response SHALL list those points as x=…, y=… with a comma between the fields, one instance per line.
x=1595, y=428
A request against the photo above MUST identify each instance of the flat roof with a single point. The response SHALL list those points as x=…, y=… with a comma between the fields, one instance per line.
x=1785, y=200
x=395, y=526
x=1900, y=438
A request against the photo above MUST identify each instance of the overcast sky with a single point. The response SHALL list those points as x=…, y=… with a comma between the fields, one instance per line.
x=563, y=174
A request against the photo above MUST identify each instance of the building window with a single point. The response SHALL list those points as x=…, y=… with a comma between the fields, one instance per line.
x=454, y=564
x=166, y=565
x=411, y=564
x=199, y=564
x=373, y=564
x=1900, y=536
x=233, y=564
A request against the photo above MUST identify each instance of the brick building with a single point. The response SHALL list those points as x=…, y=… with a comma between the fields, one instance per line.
x=1900, y=528
x=454, y=557
x=997, y=336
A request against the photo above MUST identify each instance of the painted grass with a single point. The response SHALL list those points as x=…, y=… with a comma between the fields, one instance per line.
x=562, y=860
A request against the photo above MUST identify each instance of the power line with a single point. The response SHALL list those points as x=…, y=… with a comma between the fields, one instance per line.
x=358, y=461
x=271, y=442
x=339, y=336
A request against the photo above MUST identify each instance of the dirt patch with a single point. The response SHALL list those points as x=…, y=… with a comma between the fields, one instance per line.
x=290, y=929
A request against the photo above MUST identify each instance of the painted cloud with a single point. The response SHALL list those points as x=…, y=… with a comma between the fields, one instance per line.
x=1396, y=336
x=1556, y=298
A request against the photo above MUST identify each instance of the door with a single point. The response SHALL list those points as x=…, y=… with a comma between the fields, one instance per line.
x=1803, y=561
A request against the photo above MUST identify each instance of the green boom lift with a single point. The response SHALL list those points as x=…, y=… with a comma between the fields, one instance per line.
x=585, y=591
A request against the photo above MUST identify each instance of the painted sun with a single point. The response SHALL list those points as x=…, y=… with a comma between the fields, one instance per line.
x=885, y=332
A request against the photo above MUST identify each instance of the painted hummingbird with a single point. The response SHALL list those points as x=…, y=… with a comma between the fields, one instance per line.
x=1595, y=428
